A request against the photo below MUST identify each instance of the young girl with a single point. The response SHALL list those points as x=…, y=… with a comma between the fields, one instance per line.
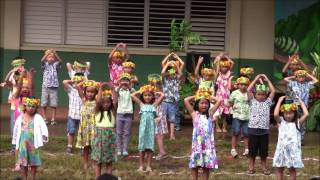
x=294, y=63
x=148, y=106
x=128, y=67
x=206, y=78
x=124, y=113
x=258, y=127
x=103, y=142
x=223, y=68
x=87, y=91
x=288, y=150
x=30, y=133
x=115, y=60
x=203, y=153
x=161, y=119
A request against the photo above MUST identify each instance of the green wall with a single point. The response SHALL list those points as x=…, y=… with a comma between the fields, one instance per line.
x=145, y=64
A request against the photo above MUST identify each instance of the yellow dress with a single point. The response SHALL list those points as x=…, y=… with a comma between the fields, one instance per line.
x=87, y=124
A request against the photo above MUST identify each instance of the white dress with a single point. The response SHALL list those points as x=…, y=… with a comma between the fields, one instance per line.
x=288, y=150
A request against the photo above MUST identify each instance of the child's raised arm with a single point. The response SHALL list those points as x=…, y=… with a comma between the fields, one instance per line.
x=252, y=84
x=179, y=70
x=232, y=62
x=287, y=79
x=80, y=90
x=67, y=83
x=196, y=71
x=216, y=105
x=271, y=87
x=188, y=105
x=305, y=114
x=164, y=68
x=314, y=79
x=113, y=50
x=57, y=56
x=88, y=66
x=135, y=98
x=180, y=60
x=165, y=59
x=159, y=99
x=286, y=66
x=277, y=109
x=69, y=67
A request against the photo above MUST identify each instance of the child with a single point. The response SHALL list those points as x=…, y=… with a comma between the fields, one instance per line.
x=115, y=60
x=161, y=119
x=300, y=85
x=103, y=142
x=128, y=67
x=288, y=150
x=148, y=106
x=75, y=104
x=124, y=113
x=203, y=153
x=223, y=68
x=30, y=133
x=293, y=64
x=206, y=78
x=170, y=81
x=87, y=91
x=241, y=115
x=79, y=67
x=258, y=128
x=50, y=63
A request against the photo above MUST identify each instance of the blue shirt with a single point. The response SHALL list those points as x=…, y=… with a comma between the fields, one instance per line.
x=301, y=89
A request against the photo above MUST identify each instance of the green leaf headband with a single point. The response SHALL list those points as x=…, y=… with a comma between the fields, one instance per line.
x=262, y=88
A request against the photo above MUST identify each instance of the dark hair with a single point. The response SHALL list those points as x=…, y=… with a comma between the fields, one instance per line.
x=196, y=107
x=18, y=57
x=107, y=176
x=79, y=74
x=296, y=115
x=153, y=99
x=101, y=110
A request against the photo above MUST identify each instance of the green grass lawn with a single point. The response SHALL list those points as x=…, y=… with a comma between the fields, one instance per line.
x=57, y=164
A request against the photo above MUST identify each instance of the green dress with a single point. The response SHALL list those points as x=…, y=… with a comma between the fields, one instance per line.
x=147, y=127
x=28, y=154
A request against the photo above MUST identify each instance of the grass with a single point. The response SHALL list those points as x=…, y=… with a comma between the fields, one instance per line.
x=56, y=164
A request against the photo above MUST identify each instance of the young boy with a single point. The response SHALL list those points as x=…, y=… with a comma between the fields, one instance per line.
x=241, y=115
x=171, y=74
x=79, y=67
x=128, y=67
x=50, y=64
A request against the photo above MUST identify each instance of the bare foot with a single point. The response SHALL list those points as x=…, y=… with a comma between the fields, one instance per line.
x=218, y=130
x=224, y=130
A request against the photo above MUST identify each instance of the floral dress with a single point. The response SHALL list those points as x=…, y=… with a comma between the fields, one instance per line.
x=203, y=153
x=115, y=70
x=87, y=124
x=223, y=91
x=147, y=127
x=28, y=155
x=288, y=150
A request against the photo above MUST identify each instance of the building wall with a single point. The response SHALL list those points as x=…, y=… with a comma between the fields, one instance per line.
x=249, y=41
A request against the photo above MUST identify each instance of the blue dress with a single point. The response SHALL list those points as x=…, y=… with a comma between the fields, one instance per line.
x=147, y=127
x=288, y=150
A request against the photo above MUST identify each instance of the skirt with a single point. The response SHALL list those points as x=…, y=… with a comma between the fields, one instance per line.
x=103, y=146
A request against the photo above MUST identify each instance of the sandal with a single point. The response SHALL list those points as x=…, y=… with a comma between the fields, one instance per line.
x=266, y=172
x=251, y=171
x=140, y=170
x=148, y=169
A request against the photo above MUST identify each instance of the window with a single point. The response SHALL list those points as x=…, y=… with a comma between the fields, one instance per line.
x=140, y=23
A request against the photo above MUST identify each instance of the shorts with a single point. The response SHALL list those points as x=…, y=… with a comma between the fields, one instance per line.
x=49, y=96
x=237, y=125
x=258, y=144
x=171, y=110
x=72, y=125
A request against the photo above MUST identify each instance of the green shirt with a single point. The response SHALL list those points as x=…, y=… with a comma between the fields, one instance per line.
x=240, y=108
x=125, y=105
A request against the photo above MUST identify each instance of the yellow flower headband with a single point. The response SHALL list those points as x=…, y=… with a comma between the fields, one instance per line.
x=288, y=107
x=124, y=75
x=91, y=83
x=147, y=88
x=246, y=71
x=107, y=93
x=203, y=93
x=79, y=65
x=207, y=71
x=118, y=54
x=129, y=64
x=25, y=82
x=31, y=101
x=225, y=63
x=18, y=62
x=77, y=79
x=300, y=73
x=294, y=59
x=243, y=80
x=154, y=78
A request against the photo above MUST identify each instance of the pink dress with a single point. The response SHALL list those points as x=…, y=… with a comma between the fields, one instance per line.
x=223, y=91
x=17, y=111
x=115, y=70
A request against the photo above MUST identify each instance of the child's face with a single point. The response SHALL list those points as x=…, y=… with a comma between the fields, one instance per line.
x=261, y=96
x=243, y=87
x=79, y=70
x=106, y=103
x=300, y=79
x=91, y=93
x=206, y=77
x=117, y=60
x=224, y=69
x=147, y=97
x=203, y=105
x=31, y=110
x=25, y=91
x=51, y=58
x=288, y=116
x=293, y=67
x=124, y=83
x=127, y=70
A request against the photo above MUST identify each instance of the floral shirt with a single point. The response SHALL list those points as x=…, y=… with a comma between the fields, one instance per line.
x=115, y=70
x=171, y=89
x=301, y=89
x=50, y=74
x=240, y=108
x=260, y=114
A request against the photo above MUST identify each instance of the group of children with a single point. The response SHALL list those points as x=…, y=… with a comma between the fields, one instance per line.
x=101, y=113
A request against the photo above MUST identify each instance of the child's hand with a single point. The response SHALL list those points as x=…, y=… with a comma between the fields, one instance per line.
x=282, y=98
x=200, y=60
